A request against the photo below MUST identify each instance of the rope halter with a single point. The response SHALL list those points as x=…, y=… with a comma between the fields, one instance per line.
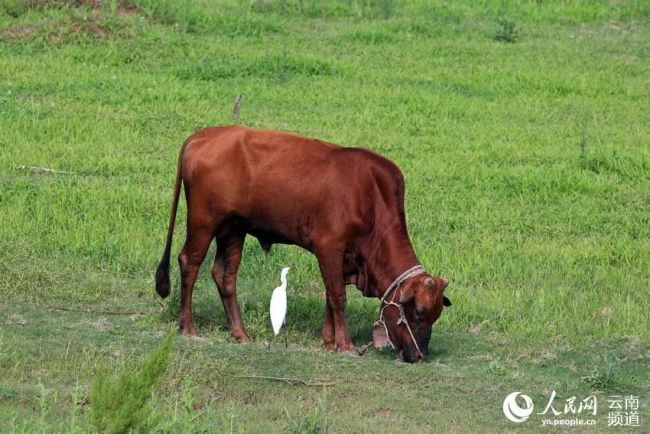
x=411, y=272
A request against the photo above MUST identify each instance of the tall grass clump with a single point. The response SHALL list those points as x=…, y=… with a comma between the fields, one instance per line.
x=311, y=423
x=186, y=15
x=507, y=30
x=195, y=17
x=16, y=8
x=122, y=404
x=384, y=8
x=322, y=8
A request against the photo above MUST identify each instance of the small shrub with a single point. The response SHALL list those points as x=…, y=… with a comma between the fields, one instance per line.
x=625, y=166
x=16, y=8
x=13, y=8
x=384, y=8
x=280, y=67
x=326, y=9
x=208, y=70
x=288, y=65
x=311, y=423
x=507, y=30
x=369, y=37
x=192, y=17
x=601, y=378
x=186, y=15
x=497, y=369
x=121, y=404
x=263, y=6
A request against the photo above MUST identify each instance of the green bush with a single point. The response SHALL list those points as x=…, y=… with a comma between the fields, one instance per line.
x=121, y=404
x=507, y=30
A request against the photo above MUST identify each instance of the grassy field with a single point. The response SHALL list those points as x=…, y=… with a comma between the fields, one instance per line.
x=523, y=131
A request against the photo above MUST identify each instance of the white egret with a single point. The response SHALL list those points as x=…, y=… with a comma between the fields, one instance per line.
x=278, y=305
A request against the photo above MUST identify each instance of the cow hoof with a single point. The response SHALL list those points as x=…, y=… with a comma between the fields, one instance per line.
x=331, y=346
x=241, y=339
x=188, y=332
x=347, y=348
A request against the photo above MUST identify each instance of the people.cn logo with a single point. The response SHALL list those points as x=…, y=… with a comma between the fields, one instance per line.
x=513, y=411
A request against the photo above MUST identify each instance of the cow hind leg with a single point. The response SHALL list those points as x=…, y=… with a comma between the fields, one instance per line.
x=224, y=273
x=189, y=260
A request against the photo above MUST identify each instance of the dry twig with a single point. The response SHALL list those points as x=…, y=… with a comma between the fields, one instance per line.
x=43, y=170
x=292, y=381
x=99, y=311
x=363, y=348
x=235, y=108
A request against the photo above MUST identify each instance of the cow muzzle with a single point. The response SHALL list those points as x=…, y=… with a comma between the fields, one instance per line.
x=411, y=352
x=411, y=355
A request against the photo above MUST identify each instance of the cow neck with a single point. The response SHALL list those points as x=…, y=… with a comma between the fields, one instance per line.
x=385, y=263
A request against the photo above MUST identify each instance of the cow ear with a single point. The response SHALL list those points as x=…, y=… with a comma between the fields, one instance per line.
x=407, y=295
x=428, y=283
x=446, y=301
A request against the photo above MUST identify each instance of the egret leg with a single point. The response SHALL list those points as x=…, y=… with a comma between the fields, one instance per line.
x=284, y=323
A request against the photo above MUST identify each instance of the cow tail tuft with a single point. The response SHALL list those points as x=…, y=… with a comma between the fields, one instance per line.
x=162, y=276
x=162, y=272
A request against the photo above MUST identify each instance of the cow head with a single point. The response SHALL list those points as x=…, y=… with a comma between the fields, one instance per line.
x=421, y=300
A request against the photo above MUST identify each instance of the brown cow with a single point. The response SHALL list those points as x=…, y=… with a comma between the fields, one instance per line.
x=345, y=205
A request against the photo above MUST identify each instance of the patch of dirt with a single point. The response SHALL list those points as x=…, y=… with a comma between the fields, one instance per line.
x=32, y=4
x=57, y=31
x=15, y=319
x=95, y=4
x=101, y=325
x=545, y=357
x=127, y=10
x=88, y=22
x=607, y=312
x=196, y=338
x=475, y=329
x=252, y=398
x=387, y=411
x=18, y=32
x=91, y=26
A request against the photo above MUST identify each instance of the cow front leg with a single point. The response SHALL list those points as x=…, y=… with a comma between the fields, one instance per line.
x=224, y=273
x=331, y=267
x=328, y=329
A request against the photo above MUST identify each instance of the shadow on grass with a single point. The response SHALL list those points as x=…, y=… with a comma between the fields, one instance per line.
x=303, y=324
x=304, y=315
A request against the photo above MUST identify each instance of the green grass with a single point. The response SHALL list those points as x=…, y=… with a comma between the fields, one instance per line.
x=522, y=129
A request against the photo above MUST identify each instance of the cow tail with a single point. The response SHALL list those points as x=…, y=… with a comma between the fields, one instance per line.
x=162, y=272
